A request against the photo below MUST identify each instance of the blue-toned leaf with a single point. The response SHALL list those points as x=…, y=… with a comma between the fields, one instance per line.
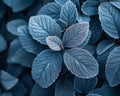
x=90, y=48
x=85, y=85
x=38, y=91
x=106, y=90
x=7, y=80
x=19, y=5
x=42, y=26
x=75, y=34
x=85, y=42
x=81, y=63
x=83, y=18
x=27, y=41
x=6, y=94
x=14, y=46
x=64, y=88
x=109, y=17
x=14, y=69
x=46, y=67
x=14, y=24
x=8, y=2
x=69, y=13
x=3, y=43
x=19, y=90
x=96, y=29
x=23, y=57
x=54, y=43
x=51, y=9
x=116, y=4
x=104, y=46
x=92, y=94
x=90, y=7
x=61, y=2
x=113, y=67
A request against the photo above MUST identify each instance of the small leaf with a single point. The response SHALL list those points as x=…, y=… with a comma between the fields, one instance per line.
x=90, y=7
x=3, y=43
x=12, y=26
x=46, y=67
x=104, y=46
x=113, y=67
x=61, y=2
x=27, y=41
x=69, y=13
x=109, y=17
x=27, y=58
x=54, y=43
x=85, y=85
x=42, y=26
x=83, y=18
x=81, y=63
x=75, y=34
x=7, y=80
x=64, y=88
x=51, y=9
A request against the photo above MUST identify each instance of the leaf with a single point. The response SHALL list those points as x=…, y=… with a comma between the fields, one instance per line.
x=3, y=43
x=113, y=67
x=51, y=9
x=83, y=18
x=90, y=8
x=14, y=24
x=27, y=41
x=7, y=80
x=96, y=29
x=14, y=69
x=46, y=67
x=27, y=58
x=69, y=13
x=104, y=46
x=93, y=94
x=81, y=63
x=54, y=43
x=61, y=2
x=90, y=48
x=6, y=94
x=109, y=17
x=42, y=26
x=19, y=90
x=37, y=90
x=64, y=88
x=116, y=4
x=14, y=46
x=75, y=34
x=85, y=85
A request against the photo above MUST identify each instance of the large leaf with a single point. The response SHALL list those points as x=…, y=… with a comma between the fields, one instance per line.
x=113, y=67
x=69, y=13
x=14, y=24
x=27, y=41
x=23, y=58
x=109, y=17
x=42, y=26
x=104, y=46
x=85, y=85
x=75, y=34
x=64, y=88
x=81, y=63
x=90, y=7
x=54, y=43
x=7, y=80
x=46, y=67
x=3, y=43
x=51, y=9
